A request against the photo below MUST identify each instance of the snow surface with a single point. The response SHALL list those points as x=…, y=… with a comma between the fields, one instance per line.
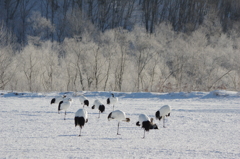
x=201, y=125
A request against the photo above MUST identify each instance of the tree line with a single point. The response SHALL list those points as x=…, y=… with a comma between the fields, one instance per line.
x=120, y=60
x=57, y=19
x=144, y=45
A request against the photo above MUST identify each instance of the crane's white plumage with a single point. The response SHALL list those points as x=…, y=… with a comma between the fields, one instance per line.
x=112, y=100
x=81, y=117
x=163, y=112
x=119, y=116
x=146, y=123
x=98, y=105
x=84, y=100
x=142, y=118
x=64, y=105
x=56, y=100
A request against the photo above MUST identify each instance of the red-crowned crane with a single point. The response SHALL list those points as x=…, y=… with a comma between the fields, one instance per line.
x=81, y=117
x=119, y=116
x=56, y=100
x=99, y=105
x=64, y=105
x=146, y=123
x=84, y=100
x=112, y=100
x=162, y=113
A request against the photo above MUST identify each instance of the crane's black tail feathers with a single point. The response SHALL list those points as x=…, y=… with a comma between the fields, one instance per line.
x=108, y=101
x=109, y=116
x=59, y=105
x=79, y=121
x=146, y=125
x=137, y=123
x=101, y=108
x=53, y=100
x=86, y=102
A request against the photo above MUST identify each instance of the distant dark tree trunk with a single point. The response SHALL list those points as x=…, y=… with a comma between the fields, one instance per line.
x=121, y=68
x=128, y=14
x=54, y=7
x=108, y=70
x=146, y=13
x=11, y=7
x=143, y=57
x=103, y=14
x=154, y=15
x=62, y=21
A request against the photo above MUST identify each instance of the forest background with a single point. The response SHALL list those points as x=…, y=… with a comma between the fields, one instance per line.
x=119, y=45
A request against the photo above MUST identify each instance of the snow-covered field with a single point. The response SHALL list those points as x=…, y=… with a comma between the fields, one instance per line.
x=201, y=125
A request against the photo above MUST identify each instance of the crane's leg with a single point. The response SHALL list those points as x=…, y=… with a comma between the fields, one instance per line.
x=65, y=115
x=80, y=131
x=164, y=122
x=144, y=134
x=113, y=107
x=118, y=129
x=99, y=115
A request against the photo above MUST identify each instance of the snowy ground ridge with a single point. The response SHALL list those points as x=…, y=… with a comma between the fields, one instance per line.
x=175, y=95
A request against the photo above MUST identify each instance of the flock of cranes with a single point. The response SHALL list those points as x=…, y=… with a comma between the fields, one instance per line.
x=81, y=116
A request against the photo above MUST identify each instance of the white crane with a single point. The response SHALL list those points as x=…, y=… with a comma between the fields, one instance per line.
x=81, y=117
x=119, y=116
x=146, y=123
x=112, y=100
x=162, y=113
x=64, y=105
x=99, y=105
x=56, y=100
x=84, y=100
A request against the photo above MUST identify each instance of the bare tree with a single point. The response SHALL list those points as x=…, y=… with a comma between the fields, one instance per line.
x=109, y=49
x=6, y=67
x=98, y=65
x=62, y=20
x=49, y=66
x=30, y=61
x=150, y=13
x=121, y=57
x=26, y=7
x=103, y=14
x=39, y=26
x=128, y=14
x=76, y=53
x=11, y=8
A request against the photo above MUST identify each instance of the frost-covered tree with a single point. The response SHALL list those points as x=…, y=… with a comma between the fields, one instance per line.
x=144, y=51
x=120, y=57
x=108, y=46
x=7, y=68
x=40, y=26
x=75, y=54
x=51, y=71
x=29, y=61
